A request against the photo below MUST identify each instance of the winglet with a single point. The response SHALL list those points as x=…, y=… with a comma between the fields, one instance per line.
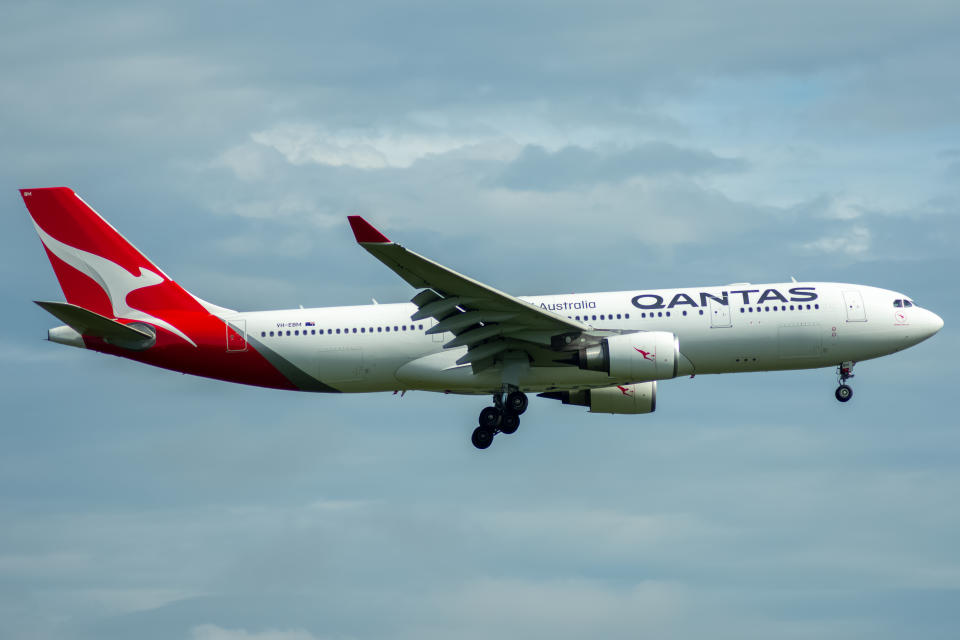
x=364, y=231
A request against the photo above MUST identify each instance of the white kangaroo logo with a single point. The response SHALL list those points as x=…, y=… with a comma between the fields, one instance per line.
x=115, y=281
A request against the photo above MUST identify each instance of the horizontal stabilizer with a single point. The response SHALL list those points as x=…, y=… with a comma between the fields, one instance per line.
x=88, y=323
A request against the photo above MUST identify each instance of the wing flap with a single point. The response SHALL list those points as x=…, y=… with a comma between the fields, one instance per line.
x=475, y=336
x=441, y=307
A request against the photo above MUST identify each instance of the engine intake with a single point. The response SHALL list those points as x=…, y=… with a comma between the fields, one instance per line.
x=647, y=355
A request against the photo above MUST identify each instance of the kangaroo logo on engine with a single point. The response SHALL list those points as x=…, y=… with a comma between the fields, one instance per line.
x=646, y=354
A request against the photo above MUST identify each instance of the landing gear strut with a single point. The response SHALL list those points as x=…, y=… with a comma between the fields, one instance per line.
x=844, y=373
x=502, y=417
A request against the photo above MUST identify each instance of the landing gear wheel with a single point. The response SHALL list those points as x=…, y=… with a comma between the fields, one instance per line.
x=844, y=393
x=482, y=437
x=489, y=419
x=517, y=402
x=509, y=422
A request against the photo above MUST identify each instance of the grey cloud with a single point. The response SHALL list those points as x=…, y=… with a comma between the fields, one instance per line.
x=573, y=167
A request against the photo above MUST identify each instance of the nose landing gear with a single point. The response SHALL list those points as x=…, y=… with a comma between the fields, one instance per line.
x=844, y=373
x=502, y=417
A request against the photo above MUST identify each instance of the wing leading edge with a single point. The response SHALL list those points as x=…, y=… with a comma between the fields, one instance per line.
x=487, y=321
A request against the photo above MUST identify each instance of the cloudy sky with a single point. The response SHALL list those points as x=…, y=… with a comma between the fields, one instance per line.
x=539, y=147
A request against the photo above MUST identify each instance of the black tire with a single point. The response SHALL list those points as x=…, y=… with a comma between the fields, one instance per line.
x=844, y=393
x=517, y=402
x=509, y=422
x=490, y=418
x=482, y=437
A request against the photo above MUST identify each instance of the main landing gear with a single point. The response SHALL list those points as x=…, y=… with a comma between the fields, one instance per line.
x=844, y=372
x=502, y=417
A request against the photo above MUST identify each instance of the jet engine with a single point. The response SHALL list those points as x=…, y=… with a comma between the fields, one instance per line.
x=628, y=398
x=646, y=355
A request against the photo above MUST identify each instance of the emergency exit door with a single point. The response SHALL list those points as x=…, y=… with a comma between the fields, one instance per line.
x=719, y=314
x=237, y=335
x=854, y=303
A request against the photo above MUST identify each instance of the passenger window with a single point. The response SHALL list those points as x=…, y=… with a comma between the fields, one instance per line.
x=379, y=329
x=594, y=317
x=626, y=315
x=271, y=334
x=816, y=306
x=363, y=329
x=288, y=333
x=618, y=316
x=420, y=326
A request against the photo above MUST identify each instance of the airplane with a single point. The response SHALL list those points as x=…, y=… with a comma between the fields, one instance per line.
x=605, y=351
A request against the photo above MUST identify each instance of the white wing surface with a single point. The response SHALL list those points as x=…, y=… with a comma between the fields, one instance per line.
x=487, y=321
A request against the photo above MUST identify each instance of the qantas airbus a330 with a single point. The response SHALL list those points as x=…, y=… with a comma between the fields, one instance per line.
x=605, y=351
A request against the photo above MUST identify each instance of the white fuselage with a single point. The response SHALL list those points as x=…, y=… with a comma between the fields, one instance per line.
x=726, y=329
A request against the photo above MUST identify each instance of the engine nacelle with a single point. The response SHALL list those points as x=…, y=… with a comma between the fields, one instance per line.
x=628, y=398
x=646, y=355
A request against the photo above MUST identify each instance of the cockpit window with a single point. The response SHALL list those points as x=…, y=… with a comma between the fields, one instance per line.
x=907, y=303
x=898, y=303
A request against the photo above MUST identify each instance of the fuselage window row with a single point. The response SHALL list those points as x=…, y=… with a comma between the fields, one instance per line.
x=798, y=307
x=382, y=329
x=602, y=316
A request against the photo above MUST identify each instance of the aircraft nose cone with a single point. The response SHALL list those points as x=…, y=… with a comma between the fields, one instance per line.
x=936, y=323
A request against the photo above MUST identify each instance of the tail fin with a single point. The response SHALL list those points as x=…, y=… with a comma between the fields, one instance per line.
x=98, y=269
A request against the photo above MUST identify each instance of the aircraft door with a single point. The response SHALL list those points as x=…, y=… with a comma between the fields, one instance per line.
x=236, y=335
x=719, y=314
x=438, y=337
x=854, y=304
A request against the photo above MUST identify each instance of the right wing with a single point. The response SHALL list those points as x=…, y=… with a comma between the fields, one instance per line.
x=487, y=321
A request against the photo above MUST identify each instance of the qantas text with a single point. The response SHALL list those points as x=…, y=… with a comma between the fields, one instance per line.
x=656, y=301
